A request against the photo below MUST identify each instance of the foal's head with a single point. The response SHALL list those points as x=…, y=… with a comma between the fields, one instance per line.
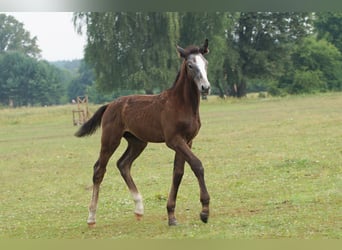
x=196, y=65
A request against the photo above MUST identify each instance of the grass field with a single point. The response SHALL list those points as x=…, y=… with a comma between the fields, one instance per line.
x=273, y=169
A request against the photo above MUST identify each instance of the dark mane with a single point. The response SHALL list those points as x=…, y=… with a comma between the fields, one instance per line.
x=177, y=77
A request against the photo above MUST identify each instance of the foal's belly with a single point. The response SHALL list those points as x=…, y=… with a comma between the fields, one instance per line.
x=146, y=129
x=148, y=136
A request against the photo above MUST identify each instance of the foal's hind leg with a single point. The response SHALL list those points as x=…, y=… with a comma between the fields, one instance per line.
x=108, y=146
x=134, y=149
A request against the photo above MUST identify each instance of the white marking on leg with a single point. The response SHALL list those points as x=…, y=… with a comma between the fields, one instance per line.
x=139, y=207
x=92, y=217
x=93, y=205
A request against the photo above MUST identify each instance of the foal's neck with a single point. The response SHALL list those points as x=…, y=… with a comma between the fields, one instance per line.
x=186, y=91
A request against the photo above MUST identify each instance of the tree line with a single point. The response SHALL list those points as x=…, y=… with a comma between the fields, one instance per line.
x=281, y=53
x=134, y=52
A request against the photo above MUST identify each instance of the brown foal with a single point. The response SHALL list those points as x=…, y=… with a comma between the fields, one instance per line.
x=171, y=117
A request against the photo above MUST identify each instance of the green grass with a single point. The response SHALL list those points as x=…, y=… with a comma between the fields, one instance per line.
x=273, y=169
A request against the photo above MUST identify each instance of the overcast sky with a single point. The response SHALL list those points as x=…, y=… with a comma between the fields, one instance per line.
x=56, y=35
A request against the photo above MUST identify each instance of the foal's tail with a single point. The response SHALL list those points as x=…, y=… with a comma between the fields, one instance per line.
x=92, y=124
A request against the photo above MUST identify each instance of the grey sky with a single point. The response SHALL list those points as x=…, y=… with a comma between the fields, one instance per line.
x=56, y=35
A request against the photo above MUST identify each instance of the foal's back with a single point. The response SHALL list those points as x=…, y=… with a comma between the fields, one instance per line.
x=139, y=115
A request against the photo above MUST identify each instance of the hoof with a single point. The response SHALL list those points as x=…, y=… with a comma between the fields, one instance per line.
x=91, y=225
x=138, y=216
x=204, y=217
x=173, y=222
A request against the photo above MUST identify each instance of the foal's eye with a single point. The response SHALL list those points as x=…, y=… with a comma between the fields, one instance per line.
x=190, y=66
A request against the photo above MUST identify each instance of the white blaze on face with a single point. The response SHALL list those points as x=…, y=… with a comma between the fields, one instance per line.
x=201, y=78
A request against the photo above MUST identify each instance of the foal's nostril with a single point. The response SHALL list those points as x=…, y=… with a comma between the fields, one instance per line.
x=205, y=90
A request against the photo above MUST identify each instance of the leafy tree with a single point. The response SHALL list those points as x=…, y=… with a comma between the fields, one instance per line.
x=131, y=50
x=23, y=79
x=26, y=81
x=16, y=71
x=328, y=26
x=316, y=66
x=13, y=37
x=263, y=41
x=79, y=85
x=48, y=80
x=307, y=81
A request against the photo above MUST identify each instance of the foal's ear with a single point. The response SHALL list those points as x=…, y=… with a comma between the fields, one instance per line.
x=181, y=52
x=204, y=49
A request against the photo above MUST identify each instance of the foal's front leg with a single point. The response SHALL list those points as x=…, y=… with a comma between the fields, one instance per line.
x=182, y=148
x=178, y=172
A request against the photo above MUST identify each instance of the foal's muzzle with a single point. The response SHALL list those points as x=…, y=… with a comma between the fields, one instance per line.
x=205, y=90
